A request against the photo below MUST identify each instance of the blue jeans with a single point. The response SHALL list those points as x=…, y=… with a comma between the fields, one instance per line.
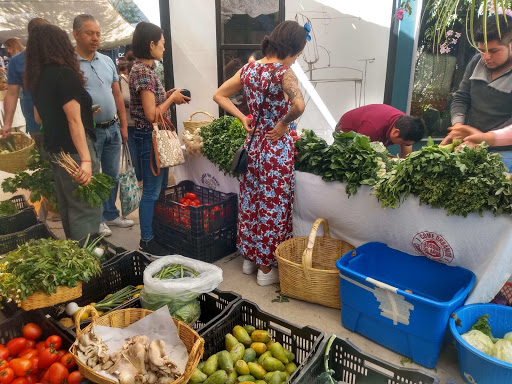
x=133, y=153
x=152, y=185
x=506, y=157
x=108, y=146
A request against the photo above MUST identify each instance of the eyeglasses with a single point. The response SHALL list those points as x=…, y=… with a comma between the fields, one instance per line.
x=96, y=73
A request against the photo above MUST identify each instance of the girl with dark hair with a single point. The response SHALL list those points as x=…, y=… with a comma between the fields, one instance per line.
x=147, y=96
x=267, y=189
x=64, y=107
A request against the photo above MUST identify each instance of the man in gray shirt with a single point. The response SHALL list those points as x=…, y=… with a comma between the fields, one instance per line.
x=484, y=97
x=110, y=122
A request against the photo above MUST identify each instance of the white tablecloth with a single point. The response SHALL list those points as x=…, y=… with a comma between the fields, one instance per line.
x=480, y=244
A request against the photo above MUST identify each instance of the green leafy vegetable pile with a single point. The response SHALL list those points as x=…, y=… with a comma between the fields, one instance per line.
x=8, y=208
x=39, y=182
x=42, y=265
x=97, y=191
x=221, y=140
x=175, y=271
x=352, y=158
x=462, y=182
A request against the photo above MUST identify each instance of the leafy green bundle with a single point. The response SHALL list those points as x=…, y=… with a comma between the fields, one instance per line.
x=352, y=158
x=40, y=182
x=8, y=208
x=462, y=182
x=42, y=265
x=221, y=139
x=97, y=191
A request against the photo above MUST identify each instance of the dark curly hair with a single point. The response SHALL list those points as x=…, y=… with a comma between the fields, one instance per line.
x=48, y=44
x=287, y=39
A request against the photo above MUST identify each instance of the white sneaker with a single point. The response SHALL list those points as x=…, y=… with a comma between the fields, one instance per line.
x=121, y=222
x=105, y=230
x=268, y=278
x=249, y=267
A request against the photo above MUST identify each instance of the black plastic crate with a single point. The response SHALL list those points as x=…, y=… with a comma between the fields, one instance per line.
x=111, y=251
x=20, y=221
x=12, y=241
x=304, y=342
x=208, y=248
x=351, y=365
x=219, y=209
x=20, y=201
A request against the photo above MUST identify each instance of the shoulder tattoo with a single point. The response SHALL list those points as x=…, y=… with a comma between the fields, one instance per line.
x=291, y=85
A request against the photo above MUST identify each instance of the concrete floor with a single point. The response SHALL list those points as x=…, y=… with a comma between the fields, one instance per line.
x=294, y=311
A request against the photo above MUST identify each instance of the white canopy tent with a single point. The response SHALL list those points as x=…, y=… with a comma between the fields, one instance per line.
x=15, y=15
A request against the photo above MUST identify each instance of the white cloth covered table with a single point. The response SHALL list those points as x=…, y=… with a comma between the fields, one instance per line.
x=480, y=244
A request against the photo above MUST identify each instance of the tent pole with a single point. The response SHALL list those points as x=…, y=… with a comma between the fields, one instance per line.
x=165, y=23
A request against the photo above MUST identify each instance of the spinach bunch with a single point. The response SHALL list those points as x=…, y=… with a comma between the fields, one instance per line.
x=352, y=158
x=42, y=265
x=39, y=182
x=8, y=208
x=462, y=182
x=221, y=139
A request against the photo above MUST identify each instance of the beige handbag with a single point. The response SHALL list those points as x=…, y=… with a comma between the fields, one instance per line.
x=166, y=148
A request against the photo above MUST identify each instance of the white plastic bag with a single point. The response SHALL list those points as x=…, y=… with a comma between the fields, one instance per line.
x=178, y=292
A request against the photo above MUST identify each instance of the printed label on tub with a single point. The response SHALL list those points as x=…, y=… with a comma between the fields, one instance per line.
x=434, y=246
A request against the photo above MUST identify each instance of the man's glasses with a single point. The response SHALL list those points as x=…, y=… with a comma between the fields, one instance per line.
x=96, y=73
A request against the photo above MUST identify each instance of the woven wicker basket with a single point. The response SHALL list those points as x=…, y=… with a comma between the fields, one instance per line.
x=123, y=318
x=307, y=267
x=191, y=126
x=17, y=160
x=42, y=300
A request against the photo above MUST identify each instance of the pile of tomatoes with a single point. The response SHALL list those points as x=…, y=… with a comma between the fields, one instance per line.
x=191, y=199
x=24, y=360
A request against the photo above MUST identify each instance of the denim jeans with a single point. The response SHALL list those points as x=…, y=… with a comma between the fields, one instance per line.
x=134, y=154
x=108, y=145
x=506, y=157
x=152, y=185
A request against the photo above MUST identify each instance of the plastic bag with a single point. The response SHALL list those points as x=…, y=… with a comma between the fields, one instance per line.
x=175, y=293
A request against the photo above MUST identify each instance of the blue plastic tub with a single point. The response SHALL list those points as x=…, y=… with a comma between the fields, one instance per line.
x=476, y=366
x=400, y=301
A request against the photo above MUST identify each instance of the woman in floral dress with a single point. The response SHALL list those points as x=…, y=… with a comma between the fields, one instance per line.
x=267, y=189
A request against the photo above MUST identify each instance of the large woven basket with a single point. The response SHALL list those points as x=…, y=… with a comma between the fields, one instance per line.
x=307, y=266
x=123, y=318
x=42, y=300
x=17, y=160
x=191, y=126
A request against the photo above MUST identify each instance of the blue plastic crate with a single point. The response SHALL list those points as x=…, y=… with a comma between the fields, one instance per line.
x=476, y=366
x=375, y=303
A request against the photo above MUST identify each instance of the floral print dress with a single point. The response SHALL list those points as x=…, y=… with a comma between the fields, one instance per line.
x=266, y=190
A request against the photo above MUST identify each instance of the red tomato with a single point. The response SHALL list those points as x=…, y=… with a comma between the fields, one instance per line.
x=53, y=341
x=186, y=202
x=6, y=376
x=47, y=357
x=32, y=331
x=4, y=353
x=182, y=200
x=29, y=355
x=25, y=351
x=190, y=195
x=195, y=203
x=16, y=345
x=20, y=366
x=35, y=364
x=3, y=364
x=40, y=346
x=60, y=353
x=31, y=344
x=20, y=380
x=58, y=373
x=68, y=360
x=74, y=378
x=32, y=379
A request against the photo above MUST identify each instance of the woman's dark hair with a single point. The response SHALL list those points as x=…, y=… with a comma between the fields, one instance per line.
x=125, y=66
x=48, y=44
x=144, y=34
x=287, y=39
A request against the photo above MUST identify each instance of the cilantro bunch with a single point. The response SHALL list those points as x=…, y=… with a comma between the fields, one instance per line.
x=462, y=182
x=221, y=139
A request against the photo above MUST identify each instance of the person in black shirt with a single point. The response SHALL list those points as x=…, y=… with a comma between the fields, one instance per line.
x=64, y=107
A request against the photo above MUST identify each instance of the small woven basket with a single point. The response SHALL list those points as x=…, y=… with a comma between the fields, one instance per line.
x=42, y=300
x=191, y=126
x=123, y=318
x=307, y=267
x=17, y=161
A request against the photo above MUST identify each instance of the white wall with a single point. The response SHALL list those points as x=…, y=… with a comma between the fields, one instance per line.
x=194, y=49
x=350, y=33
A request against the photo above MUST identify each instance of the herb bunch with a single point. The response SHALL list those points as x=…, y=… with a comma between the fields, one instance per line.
x=42, y=265
x=8, y=208
x=462, y=182
x=39, y=182
x=221, y=139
